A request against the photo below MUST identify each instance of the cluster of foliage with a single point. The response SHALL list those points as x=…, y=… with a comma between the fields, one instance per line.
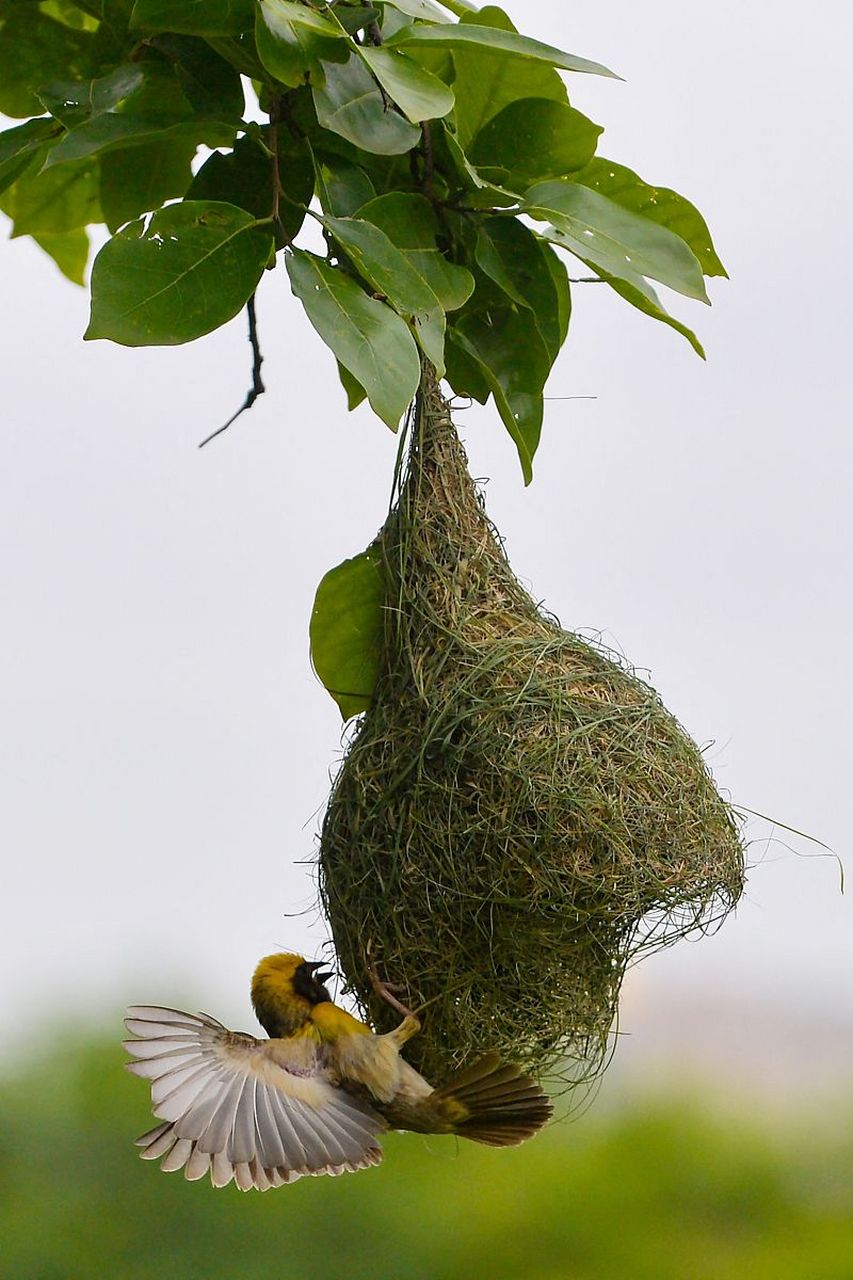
x=661, y=1192
x=439, y=163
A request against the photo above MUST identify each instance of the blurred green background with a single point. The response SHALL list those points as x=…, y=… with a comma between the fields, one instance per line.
x=648, y=1188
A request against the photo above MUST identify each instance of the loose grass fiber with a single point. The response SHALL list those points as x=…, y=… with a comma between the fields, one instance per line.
x=517, y=816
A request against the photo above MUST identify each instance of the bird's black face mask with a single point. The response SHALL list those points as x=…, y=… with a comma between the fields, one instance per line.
x=308, y=982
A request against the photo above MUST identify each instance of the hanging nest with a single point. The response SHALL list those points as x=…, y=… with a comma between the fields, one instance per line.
x=518, y=816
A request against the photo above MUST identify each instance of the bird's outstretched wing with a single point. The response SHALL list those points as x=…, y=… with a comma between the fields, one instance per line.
x=262, y=1112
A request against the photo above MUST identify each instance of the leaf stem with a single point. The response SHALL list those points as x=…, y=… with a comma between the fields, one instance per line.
x=275, y=115
x=276, y=176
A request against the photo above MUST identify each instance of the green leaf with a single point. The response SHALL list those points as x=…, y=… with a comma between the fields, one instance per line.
x=641, y=295
x=622, y=243
x=22, y=147
x=350, y=104
x=114, y=26
x=495, y=259
x=134, y=106
x=410, y=223
x=419, y=94
x=450, y=160
x=342, y=187
x=12, y=170
x=72, y=101
x=464, y=374
x=510, y=254
x=383, y=265
x=460, y=166
x=487, y=81
x=296, y=182
x=54, y=201
x=355, y=392
x=70, y=252
x=241, y=51
x=139, y=179
x=69, y=14
x=179, y=275
x=34, y=48
x=367, y=337
x=210, y=84
x=346, y=631
x=429, y=329
x=116, y=130
x=512, y=359
x=461, y=35
x=420, y=9
x=560, y=277
x=194, y=17
x=384, y=172
x=657, y=203
x=294, y=40
x=290, y=19
x=356, y=18
x=633, y=288
x=244, y=177
x=532, y=140
x=392, y=21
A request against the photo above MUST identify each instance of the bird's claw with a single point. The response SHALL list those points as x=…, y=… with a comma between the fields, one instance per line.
x=385, y=991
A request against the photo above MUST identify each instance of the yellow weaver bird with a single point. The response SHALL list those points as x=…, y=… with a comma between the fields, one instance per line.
x=315, y=1096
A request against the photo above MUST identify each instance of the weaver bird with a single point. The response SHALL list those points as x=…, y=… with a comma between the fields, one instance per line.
x=315, y=1096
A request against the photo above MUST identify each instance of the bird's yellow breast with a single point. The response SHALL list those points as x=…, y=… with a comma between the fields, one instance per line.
x=330, y=1023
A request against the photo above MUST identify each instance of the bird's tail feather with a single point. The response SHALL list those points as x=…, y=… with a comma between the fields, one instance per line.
x=494, y=1102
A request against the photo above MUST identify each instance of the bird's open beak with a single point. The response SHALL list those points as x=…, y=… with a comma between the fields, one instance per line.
x=317, y=965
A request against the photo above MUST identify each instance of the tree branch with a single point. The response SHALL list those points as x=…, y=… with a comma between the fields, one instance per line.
x=257, y=388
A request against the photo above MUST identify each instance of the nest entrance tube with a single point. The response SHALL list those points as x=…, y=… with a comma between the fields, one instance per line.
x=517, y=816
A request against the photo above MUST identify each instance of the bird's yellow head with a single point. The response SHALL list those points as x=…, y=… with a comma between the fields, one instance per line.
x=285, y=988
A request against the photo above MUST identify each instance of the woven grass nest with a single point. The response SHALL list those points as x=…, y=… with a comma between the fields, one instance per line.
x=517, y=816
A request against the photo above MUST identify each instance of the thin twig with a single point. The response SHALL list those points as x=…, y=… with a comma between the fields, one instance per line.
x=586, y=280
x=277, y=191
x=257, y=388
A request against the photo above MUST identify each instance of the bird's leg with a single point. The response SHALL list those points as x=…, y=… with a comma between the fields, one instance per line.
x=410, y=1026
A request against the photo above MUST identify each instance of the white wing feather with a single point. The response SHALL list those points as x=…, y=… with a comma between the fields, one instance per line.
x=260, y=1112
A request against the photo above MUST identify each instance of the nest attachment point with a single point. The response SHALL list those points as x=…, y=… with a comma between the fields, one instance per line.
x=518, y=816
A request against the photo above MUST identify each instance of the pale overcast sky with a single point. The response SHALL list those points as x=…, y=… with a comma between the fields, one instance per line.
x=165, y=746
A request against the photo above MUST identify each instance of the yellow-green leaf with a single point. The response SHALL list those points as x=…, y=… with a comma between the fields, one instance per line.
x=621, y=242
x=346, y=631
